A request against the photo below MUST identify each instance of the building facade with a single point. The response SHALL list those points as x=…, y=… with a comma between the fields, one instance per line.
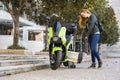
x=31, y=35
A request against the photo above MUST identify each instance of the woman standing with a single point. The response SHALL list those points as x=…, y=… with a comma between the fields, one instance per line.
x=87, y=21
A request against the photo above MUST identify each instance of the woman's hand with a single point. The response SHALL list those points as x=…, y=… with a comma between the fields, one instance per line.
x=86, y=38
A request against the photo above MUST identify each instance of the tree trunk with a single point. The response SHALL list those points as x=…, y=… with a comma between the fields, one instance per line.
x=46, y=37
x=16, y=30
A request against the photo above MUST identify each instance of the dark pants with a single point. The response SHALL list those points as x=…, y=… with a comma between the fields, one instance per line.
x=68, y=38
x=93, y=41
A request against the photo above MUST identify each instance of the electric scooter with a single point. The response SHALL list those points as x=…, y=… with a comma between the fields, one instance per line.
x=58, y=50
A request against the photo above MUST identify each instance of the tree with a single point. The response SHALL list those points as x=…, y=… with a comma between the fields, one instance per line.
x=110, y=35
x=70, y=9
x=106, y=16
x=15, y=7
x=34, y=13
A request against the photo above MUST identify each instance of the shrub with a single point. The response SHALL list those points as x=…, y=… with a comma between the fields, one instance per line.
x=16, y=47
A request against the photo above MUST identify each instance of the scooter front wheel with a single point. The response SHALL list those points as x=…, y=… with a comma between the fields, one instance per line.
x=56, y=61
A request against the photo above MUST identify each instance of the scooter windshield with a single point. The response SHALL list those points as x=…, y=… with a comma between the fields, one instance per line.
x=56, y=28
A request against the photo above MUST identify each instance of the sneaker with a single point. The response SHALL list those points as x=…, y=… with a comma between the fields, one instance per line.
x=99, y=64
x=93, y=65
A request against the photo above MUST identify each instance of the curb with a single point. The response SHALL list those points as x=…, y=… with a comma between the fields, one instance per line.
x=22, y=68
x=10, y=70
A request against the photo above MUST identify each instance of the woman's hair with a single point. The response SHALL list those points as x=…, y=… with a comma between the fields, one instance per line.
x=83, y=20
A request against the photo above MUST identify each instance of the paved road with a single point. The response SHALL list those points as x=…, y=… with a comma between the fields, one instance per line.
x=109, y=71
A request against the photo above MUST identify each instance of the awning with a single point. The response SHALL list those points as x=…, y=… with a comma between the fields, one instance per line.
x=9, y=24
x=5, y=17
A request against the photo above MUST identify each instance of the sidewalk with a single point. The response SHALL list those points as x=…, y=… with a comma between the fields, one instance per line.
x=17, y=63
x=12, y=64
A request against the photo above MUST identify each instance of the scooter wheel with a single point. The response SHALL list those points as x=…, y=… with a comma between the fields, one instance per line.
x=80, y=57
x=65, y=63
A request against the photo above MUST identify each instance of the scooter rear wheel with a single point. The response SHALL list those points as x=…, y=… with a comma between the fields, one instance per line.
x=66, y=63
x=80, y=57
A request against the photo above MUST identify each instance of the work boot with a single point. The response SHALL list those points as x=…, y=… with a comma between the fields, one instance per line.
x=71, y=65
x=99, y=64
x=93, y=65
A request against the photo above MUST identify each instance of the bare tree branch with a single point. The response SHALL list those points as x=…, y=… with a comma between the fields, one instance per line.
x=21, y=5
x=8, y=7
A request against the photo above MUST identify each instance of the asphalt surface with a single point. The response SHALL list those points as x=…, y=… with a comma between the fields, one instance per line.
x=109, y=71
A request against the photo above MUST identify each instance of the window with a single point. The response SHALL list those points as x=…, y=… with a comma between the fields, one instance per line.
x=21, y=34
x=5, y=30
x=34, y=35
x=1, y=7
